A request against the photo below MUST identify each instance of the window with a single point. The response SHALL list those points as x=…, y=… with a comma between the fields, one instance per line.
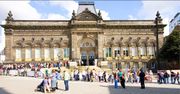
x=37, y=53
x=116, y=52
x=125, y=51
x=28, y=53
x=46, y=53
x=108, y=52
x=142, y=51
x=66, y=52
x=150, y=50
x=133, y=51
x=56, y=53
x=18, y=53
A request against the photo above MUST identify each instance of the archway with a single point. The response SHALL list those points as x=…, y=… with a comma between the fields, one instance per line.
x=87, y=49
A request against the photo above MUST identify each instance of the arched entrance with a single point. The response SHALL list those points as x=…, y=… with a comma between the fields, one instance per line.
x=87, y=49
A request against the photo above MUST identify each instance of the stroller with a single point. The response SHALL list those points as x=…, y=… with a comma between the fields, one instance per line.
x=40, y=87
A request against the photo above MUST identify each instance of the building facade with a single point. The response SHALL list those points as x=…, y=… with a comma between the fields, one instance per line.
x=174, y=22
x=85, y=38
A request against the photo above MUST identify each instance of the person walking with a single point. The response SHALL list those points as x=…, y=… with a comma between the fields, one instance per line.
x=142, y=76
x=66, y=80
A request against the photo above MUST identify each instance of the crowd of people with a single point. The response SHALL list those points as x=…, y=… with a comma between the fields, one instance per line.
x=50, y=82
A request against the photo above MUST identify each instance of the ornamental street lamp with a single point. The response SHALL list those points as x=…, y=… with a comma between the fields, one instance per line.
x=157, y=20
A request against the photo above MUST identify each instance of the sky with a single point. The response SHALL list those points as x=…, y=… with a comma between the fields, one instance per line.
x=110, y=9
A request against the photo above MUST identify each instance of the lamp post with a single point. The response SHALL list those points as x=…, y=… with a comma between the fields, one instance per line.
x=157, y=21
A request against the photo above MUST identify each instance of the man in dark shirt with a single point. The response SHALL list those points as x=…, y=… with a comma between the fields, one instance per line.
x=142, y=76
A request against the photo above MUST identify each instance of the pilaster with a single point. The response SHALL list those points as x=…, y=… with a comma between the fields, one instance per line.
x=52, y=53
x=42, y=54
x=100, y=46
x=33, y=54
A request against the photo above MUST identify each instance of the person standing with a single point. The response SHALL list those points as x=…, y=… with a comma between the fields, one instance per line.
x=53, y=81
x=66, y=80
x=142, y=76
x=123, y=81
x=119, y=74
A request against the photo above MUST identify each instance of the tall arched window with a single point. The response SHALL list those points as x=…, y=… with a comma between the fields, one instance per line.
x=133, y=51
x=37, y=53
x=66, y=52
x=28, y=53
x=108, y=52
x=46, y=53
x=18, y=53
x=116, y=52
x=125, y=51
x=56, y=53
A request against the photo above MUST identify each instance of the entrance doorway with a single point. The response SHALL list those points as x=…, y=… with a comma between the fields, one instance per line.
x=87, y=49
x=87, y=57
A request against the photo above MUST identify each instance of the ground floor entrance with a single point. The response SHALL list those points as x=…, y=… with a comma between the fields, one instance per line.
x=87, y=56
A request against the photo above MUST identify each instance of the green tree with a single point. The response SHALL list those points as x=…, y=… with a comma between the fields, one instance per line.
x=171, y=49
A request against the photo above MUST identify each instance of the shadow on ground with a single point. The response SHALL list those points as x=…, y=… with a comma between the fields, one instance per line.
x=137, y=90
x=3, y=91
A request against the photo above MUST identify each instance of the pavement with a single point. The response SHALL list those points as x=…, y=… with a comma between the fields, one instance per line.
x=27, y=85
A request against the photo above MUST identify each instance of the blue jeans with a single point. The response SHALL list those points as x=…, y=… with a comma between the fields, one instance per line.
x=66, y=84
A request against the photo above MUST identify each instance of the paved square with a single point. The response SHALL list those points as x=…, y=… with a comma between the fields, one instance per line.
x=26, y=85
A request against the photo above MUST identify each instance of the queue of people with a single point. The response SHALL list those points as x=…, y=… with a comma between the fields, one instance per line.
x=50, y=82
x=166, y=78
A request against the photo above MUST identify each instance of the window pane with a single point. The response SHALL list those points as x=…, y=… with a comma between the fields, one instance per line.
x=37, y=53
x=116, y=52
x=47, y=53
x=125, y=51
x=56, y=52
x=133, y=51
x=109, y=52
x=18, y=53
x=28, y=53
x=66, y=52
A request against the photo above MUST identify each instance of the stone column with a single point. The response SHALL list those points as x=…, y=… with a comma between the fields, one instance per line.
x=112, y=51
x=140, y=65
x=33, y=54
x=129, y=52
x=100, y=46
x=23, y=53
x=123, y=65
x=74, y=46
x=121, y=52
x=52, y=53
x=9, y=45
x=42, y=54
x=131, y=64
x=146, y=51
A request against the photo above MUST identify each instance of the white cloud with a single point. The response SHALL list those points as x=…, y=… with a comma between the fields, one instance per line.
x=104, y=14
x=167, y=10
x=67, y=5
x=131, y=17
x=53, y=16
x=20, y=9
x=72, y=5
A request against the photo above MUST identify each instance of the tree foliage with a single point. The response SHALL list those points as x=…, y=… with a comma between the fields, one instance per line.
x=171, y=47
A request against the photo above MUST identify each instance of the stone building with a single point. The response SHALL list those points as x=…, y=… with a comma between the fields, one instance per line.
x=85, y=38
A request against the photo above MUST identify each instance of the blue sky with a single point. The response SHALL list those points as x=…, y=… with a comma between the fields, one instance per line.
x=111, y=10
